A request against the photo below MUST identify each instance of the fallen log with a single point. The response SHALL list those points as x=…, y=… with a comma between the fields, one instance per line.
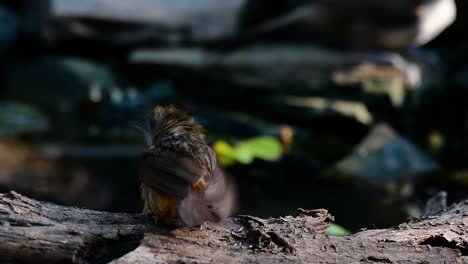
x=39, y=232
x=33, y=231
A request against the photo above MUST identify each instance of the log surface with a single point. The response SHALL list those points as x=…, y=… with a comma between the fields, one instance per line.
x=40, y=232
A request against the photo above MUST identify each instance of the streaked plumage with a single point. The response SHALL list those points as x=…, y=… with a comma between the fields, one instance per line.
x=181, y=181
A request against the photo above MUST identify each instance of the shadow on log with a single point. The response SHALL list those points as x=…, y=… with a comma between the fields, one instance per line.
x=40, y=232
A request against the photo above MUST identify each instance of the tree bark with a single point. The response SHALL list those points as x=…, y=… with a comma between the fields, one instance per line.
x=33, y=231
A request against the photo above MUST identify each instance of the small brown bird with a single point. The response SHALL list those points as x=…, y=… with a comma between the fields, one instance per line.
x=182, y=183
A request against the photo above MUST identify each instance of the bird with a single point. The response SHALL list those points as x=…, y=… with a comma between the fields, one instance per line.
x=181, y=181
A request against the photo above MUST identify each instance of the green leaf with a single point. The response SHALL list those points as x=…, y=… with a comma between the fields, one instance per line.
x=243, y=154
x=224, y=153
x=336, y=230
x=266, y=148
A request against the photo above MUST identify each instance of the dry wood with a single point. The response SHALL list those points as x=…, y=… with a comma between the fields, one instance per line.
x=38, y=232
x=33, y=231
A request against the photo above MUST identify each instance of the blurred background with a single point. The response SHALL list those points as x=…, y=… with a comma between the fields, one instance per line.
x=356, y=106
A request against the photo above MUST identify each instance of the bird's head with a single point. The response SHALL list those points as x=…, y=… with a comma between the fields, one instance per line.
x=170, y=127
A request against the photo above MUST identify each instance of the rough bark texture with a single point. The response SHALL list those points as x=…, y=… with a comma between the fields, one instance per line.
x=33, y=231
x=38, y=232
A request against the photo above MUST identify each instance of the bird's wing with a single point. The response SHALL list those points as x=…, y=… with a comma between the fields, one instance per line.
x=171, y=173
x=218, y=201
